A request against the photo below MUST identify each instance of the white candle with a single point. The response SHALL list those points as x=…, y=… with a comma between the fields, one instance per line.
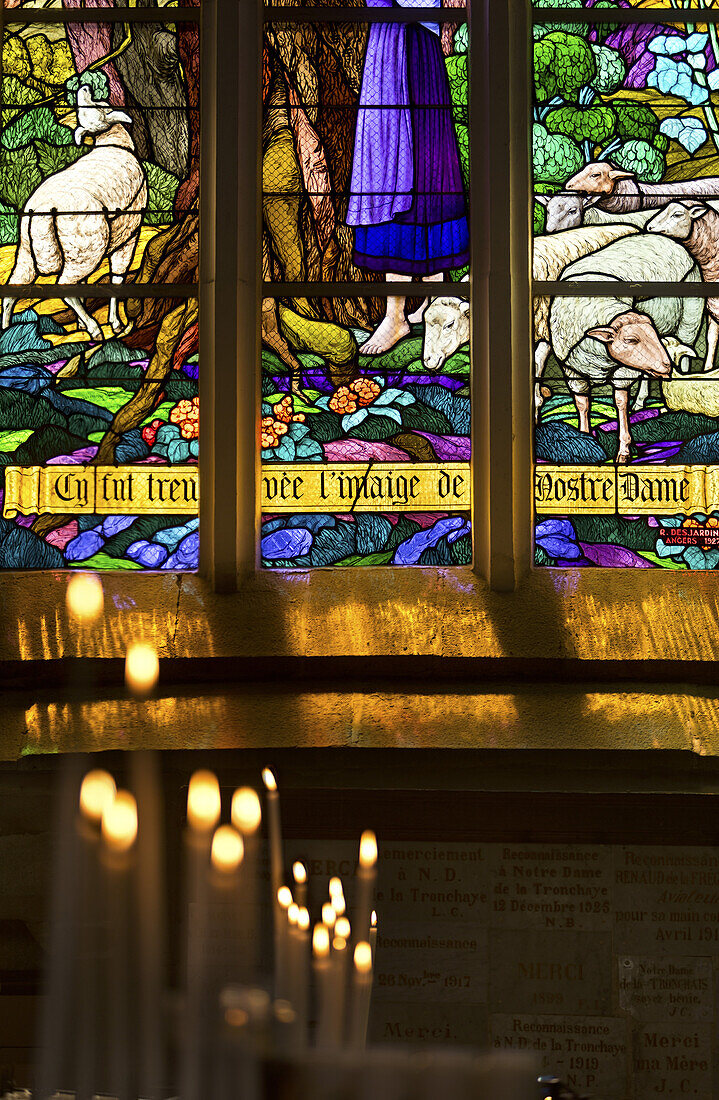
x=373, y=934
x=365, y=884
x=246, y=816
x=282, y=944
x=361, y=992
x=321, y=968
x=84, y=598
x=303, y=957
x=226, y=857
x=339, y=979
x=119, y=832
x=203, y=813
x=274, y=829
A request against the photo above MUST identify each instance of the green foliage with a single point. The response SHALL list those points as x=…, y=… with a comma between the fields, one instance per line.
x=9, y=225
x=16, y=95
x=19, y=175
x=641, y=158
x=457, y=75
x=539, y=218
x=53, y=158
x=563, y=63
x=594, y=124
x=161, y=189
x=96, y=81
x=660, y=143
x=555, y=157
x=635, y=120
x=463, y=145
x=461, y=38
x=540, y=29
x=37, y=123
x=611, y=70
x=10, y=440
x=108, y=397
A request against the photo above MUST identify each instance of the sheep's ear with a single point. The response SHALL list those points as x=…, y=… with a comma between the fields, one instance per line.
x=543, y=200
x=589, y=200
x=620, y=174
x=464, y=306
x=605, y=334
x=697, y=209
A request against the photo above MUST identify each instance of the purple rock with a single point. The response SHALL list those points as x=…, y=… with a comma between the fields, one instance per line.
x=410, y=551
x=152, y=556
x=84, y=546
x=291, y=542
x=614, y=557
x=188, y=552
x=112, y=525
x=554, y=527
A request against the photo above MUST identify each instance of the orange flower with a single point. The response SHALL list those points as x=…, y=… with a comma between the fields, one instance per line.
x=343, y=401
x=279, y=427
x=367, y=390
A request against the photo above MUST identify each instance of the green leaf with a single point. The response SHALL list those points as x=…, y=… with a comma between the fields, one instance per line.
x=12, y=439
x=594, y=124
x=381, y=557
x=16, y=95
x=162, y=412
x=109, y=397
x=101, y=560
x=457, y=76
x=298, y=405
x=161, y=189
x=664, y=563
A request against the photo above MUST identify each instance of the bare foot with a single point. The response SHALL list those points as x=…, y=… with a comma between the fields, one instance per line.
x=385, y=336
x=416, y=315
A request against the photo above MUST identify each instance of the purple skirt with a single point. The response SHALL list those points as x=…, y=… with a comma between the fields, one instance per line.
x=432, y=235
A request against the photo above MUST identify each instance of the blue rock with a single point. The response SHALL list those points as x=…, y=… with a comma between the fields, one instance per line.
x=288, y=543
x=131, y=447
x=410, y=551
x=188, y=552
x=112, y=525
x=25, y=378
x=136, y=548
x=152, y=556
x=84, y=546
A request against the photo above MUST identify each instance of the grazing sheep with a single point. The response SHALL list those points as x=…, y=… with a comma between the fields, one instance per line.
x=601, y=341
x=696, y=225
x=89, y=211
x=620, y=192
x=446, y=328
x=695, y=393
x=550, y=256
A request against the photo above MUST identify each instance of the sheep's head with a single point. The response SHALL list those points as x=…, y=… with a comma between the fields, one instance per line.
x=632, y=340
x=599, y=177
x=677, y=219
x=563, y=211
x=446, y=327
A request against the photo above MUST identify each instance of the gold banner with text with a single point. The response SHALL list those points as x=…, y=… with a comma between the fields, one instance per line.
x=626, y=490
x=100, y=490
x=377, y=487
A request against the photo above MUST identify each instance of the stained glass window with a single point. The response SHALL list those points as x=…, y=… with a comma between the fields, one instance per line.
x=625, y=146
x=365, y=419
x=99, y=183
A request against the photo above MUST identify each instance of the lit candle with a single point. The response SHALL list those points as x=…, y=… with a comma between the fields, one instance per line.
x=329, y=914
x=373, y=934
x=361, y=993
x=339, y=979
x=274, y=829
x=142, y=668
x=365, y=884
x=84, y=598
x=227, y=850
x=303, y=956
x=226, y=855
x=283, y=960
x=203, y=813
x=246, y=816
x=299, y=874
x=321, y=967
x=97, y=792
x=338, y=904
x=119, y=832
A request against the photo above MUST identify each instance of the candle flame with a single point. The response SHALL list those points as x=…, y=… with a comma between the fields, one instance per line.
x=246, y=812
x=284, y=897
x=142, y=668
x=328, y=915
x=304, y=919
x=284, y=1012
x=368, y=849
x=97, y=791
x=338, y=904
x=227, y=849
x=321, y=941
x=203, y=801
x=299, y=872
x=237, y=1017
x=293, y=913
x=335, y=886
x=84, y=597
x=268, y=778
x=363, y=957
x=339, y=943
x=342, y=928
x=373, y=919
x=119, y=822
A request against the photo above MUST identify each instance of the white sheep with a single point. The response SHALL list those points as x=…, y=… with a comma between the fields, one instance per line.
x=607, y=340
x=86, y=213
x=446, y=328
x=550, y=256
